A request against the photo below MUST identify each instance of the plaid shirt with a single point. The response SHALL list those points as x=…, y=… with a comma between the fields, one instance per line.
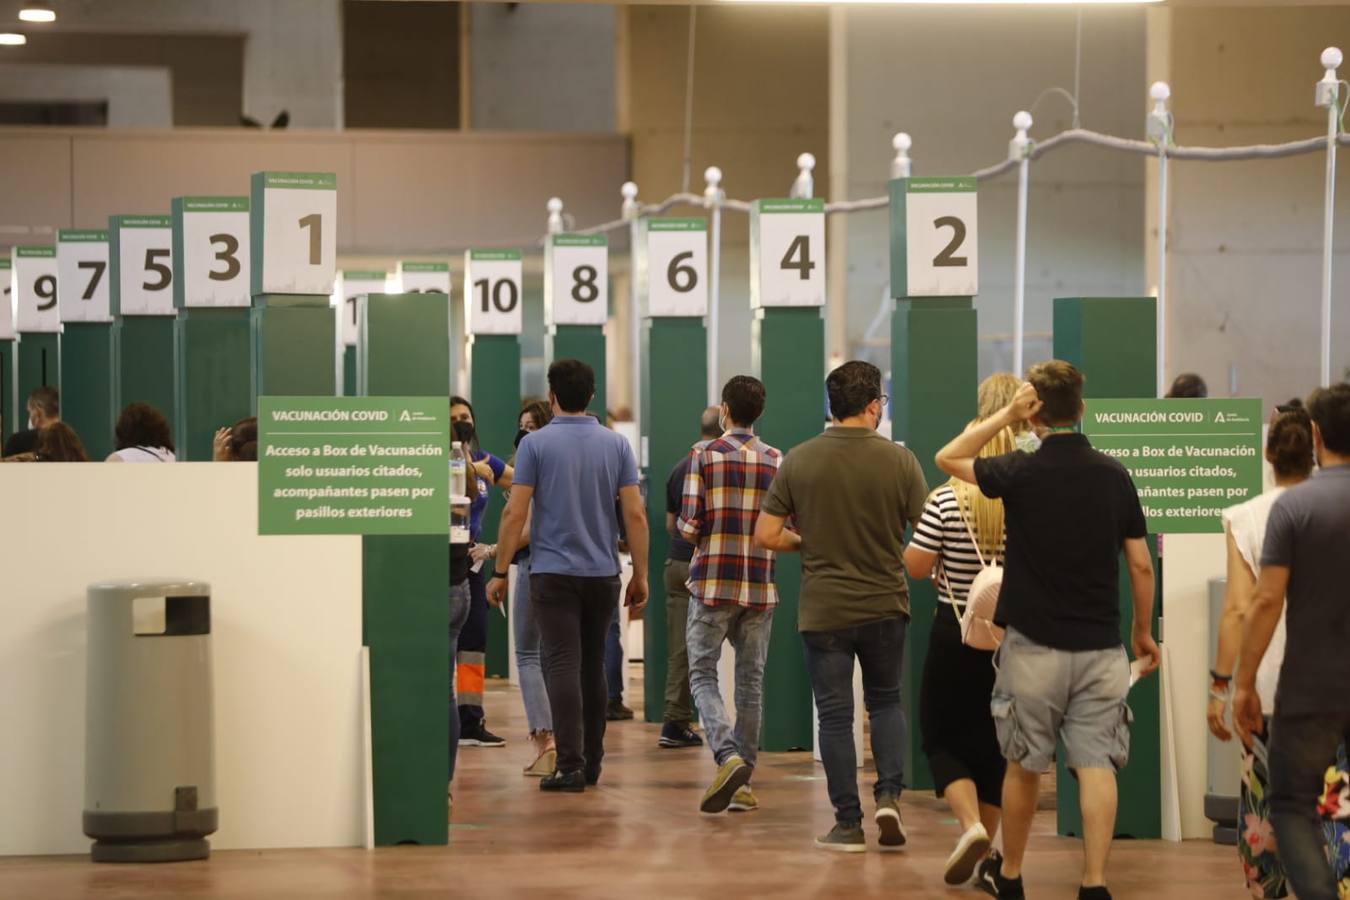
x=726, y=483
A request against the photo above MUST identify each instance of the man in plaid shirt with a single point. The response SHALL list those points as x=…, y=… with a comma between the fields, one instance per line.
x=732, y=594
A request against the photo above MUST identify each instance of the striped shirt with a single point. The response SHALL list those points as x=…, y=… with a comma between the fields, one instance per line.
x=726, y=483
x=942, y=530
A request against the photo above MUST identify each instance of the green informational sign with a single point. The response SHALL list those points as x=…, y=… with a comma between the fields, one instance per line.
x=1190, y=459
x=353, y=465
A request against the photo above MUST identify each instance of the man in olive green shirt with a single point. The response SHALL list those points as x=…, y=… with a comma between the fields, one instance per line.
x=850, y=494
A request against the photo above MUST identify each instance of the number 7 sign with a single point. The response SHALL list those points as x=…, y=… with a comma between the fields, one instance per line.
x=82, y=291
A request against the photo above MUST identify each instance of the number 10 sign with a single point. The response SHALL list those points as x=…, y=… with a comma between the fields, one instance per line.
x=492, y=287
x=934, y=250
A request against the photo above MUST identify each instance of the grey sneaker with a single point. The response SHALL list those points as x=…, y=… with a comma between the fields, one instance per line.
x=844, y=839
x=888, y=822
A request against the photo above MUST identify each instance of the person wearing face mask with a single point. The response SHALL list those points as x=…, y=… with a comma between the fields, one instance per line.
x=470, y=655
x=44, y=408
x=851, y=493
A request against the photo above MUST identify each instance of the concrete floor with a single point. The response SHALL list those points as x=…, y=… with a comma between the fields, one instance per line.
x=638, y=835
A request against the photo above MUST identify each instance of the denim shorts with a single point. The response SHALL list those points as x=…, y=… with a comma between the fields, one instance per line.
x=1042, y=694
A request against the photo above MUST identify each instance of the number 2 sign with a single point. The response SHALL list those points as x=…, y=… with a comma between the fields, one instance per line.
x=940, y=234
x=677, y=267
x=293, y=220
x=492, y=287
x=82, y=276
x=576, y=279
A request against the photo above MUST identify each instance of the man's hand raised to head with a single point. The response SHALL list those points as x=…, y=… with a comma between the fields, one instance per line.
x=1025, y=403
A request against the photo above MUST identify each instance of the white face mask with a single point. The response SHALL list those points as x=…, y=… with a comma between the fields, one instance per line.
x=31, y=426
x=1028, y=442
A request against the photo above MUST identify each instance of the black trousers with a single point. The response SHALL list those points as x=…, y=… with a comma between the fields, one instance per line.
x=574, y=613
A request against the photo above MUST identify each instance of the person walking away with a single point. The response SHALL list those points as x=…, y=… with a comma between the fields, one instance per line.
x=571, y=471
x=676, y=728
x=731, y=588
x=1063, y=674
x=959, y=532
x=1302, y=560
x=851, y=493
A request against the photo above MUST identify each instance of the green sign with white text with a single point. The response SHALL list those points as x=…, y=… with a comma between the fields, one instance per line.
x=353, y=465
x=1190, y=459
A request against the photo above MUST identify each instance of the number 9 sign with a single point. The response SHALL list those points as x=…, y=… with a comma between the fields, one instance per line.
x=677, y=267
x=35, y=289
x=492, y=288
x=576, y=279
x=940, y=249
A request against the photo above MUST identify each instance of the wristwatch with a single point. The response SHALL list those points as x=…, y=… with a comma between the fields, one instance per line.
x=496, y=574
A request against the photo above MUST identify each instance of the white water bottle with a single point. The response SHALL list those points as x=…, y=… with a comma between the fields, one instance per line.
x=459, y=470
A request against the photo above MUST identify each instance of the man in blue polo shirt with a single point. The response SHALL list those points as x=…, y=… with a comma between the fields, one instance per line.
x=572, y=471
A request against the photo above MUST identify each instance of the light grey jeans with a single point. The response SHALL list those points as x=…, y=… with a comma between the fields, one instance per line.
x=538, y=714
x=748, y=630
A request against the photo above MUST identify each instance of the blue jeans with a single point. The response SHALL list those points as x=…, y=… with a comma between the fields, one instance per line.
x=1299, y=749
x=879, y=648
x=459, y=614
x=526, y=629
x=614, y=658
x=748, y=630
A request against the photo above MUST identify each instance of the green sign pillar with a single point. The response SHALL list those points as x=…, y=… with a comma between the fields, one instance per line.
x=37, y=363
x=404, y=351
x=87, y=370
x=586, y=343
x=294, y=345
x=1112, y=341
x=9, y=393
x=142, y=306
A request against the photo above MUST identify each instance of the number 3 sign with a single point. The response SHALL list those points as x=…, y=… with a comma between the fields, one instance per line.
x=576, y=279
x=210, y=252
x=940, y=250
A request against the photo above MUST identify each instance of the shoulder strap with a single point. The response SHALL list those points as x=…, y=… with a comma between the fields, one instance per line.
x=974, y=542
x=957, y=608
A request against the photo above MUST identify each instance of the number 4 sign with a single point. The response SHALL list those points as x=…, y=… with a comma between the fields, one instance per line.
x=787, y=253
x=82, y=276
x=934, y=220
x=576, y=279
x=677, y=267
x=492, y=284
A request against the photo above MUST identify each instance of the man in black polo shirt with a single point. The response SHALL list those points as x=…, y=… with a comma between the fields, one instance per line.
x=679, y=713
x=1063, y=673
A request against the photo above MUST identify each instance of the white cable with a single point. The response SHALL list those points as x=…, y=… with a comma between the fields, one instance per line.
x=689, y=100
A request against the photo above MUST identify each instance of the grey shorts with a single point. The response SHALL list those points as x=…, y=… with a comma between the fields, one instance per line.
x=1041, y=694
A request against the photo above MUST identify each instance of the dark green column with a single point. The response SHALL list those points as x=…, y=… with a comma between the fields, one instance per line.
x=674, y=393
x=37, y=360
x=294, y=346
x=404, y=351
x=788, y=348
x=349, y=371
x=9, y=393
x=145, y=362
x=213, y=372
x=1112, y=341
x=586, y=343
x=934, y=380
x=87, y=374
x=494, y=390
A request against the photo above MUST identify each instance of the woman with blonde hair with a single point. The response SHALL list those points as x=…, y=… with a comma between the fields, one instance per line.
x=958, y=729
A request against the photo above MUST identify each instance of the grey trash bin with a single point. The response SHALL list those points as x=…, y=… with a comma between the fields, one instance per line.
x=149, y=786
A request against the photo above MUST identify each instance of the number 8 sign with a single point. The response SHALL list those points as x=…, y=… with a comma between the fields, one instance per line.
x=940, y=248
x=677, y=267
x=576, y=279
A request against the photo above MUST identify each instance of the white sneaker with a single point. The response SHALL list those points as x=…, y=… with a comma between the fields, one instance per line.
x=972, y=847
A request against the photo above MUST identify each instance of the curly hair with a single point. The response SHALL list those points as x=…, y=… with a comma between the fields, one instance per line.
x=58, y=442
x=141, y=425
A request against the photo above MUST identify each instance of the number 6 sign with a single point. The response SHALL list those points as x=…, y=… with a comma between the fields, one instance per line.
x=293, y=222
x=576, y=279
x=677, y=267
x=941, y=251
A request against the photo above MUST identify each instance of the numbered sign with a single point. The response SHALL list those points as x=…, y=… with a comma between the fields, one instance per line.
x=295, y=213
x=353, y=284
x=492, y=291
x=941, y=249
x=34, y=283
x=576, y=279
x=142, y=265
x=787, y=253
x=82, y=276
x=677, y=267
x=7, y=303
x=424, y=277
x=210, y=252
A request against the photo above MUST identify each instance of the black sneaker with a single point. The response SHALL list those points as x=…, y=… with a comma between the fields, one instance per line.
x=617, y=712
x=480, y=737
x=564, y=782
x=592, y=776
x=990, y=880
x=1094, y=893
x=678, y=734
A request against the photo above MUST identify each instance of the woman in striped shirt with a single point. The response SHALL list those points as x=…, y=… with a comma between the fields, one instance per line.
x=958, y=730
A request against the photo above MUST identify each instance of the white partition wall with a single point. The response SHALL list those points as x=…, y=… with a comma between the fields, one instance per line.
x=286, y=635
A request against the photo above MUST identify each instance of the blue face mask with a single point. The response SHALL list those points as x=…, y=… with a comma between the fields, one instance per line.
x=1027, y=442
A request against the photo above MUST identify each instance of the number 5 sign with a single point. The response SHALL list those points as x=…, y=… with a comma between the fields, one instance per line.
x=82, y=276
x=787, y=253
x=142, y=265
x=576, y=279
x=677, y=267
x=492, y=284
x=934, y=222
x=293, y=222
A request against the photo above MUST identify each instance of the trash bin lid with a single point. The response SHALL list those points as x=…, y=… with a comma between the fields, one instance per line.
x=150, y=587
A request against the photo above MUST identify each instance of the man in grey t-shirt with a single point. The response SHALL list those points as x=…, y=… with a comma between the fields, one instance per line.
x=1303, y=561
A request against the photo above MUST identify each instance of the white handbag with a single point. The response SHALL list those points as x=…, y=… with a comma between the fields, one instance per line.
x=976, y=617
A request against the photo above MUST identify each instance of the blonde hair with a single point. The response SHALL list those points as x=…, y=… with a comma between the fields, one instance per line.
x=996, y=392
x=985, y=514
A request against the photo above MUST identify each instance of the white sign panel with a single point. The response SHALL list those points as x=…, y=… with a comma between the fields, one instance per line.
x=82, y=276
x=142, y=257
x=424, y=277
x=576, y=280
x=941, y=246
x=298, y=211
x=352, y=285
x=34, y=282
x=677, y=267
x=7, y=302
x=492, y=291
x=211, y=252
x=788, y=253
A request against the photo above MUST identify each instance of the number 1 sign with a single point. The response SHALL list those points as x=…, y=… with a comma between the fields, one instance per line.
x=293, y=223
x=938, y=227
x=787, y=253
x=352, y=285
x=492, y=287
x=576, y=279
x=35, y=289
x=82, y=276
